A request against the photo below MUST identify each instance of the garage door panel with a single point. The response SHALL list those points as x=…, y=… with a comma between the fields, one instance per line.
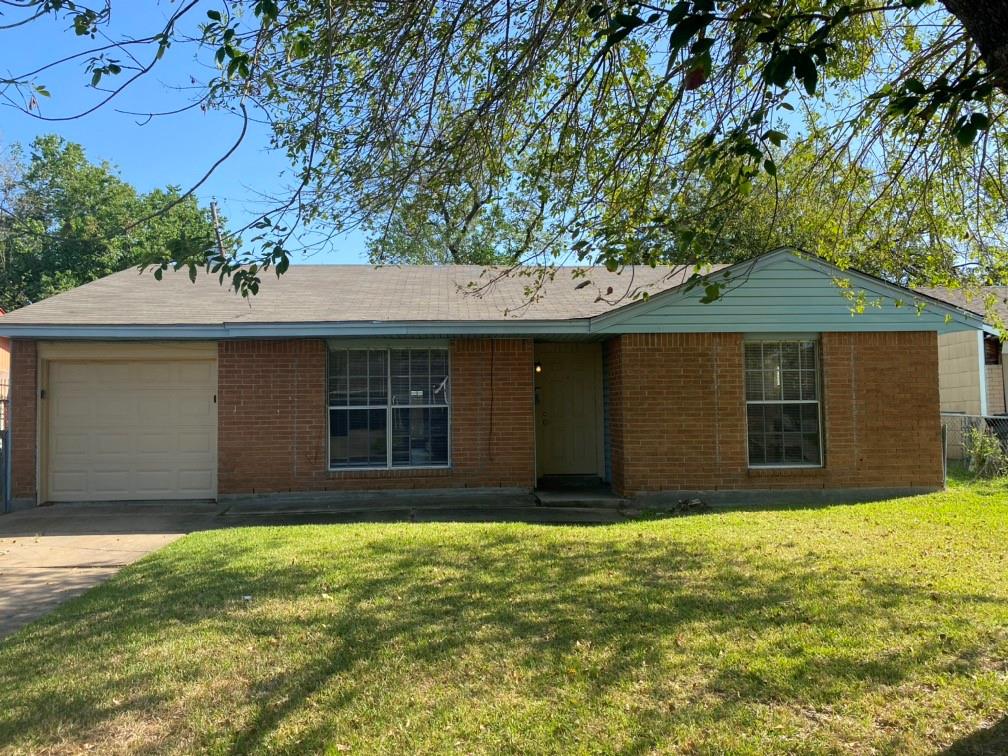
x=192, y=480
x=195, y=372
x=132, y=430
x=106, y=483
x=158, y=443
x=114, y=443
x=68, y=445
x=193, y=443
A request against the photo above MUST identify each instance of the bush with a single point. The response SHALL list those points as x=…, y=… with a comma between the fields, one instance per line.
x=986, y=455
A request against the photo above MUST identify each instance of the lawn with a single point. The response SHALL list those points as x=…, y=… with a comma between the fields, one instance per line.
x=850, y=629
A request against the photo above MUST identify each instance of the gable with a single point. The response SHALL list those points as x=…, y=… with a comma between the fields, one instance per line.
x=782, y=292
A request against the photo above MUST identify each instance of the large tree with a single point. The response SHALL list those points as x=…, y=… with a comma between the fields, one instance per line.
x=603, y=132
x=62, y=220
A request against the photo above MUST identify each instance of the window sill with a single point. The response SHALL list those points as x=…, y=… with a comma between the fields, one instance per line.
x=756, y=469
x=410, y=468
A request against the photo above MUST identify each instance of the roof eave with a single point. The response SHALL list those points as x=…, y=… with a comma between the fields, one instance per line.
x=579, y=326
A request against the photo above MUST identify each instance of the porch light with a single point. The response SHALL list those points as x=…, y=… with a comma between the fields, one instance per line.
x=538, y=366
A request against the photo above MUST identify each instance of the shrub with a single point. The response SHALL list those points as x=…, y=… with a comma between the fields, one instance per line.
x=986, y=454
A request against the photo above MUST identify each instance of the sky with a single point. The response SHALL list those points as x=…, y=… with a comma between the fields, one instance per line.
x=167, y=150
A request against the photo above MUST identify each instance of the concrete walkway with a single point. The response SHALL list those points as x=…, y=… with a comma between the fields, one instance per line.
x=52, y=553
x=49, y=554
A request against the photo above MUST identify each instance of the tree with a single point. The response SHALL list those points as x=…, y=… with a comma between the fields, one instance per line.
x=599, y=132
x=60, y=218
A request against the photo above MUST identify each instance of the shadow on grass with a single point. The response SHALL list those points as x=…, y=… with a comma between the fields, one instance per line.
x=521, y=592
x=990, y=741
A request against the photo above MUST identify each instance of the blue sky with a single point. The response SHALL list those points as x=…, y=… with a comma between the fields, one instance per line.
x=176, y=149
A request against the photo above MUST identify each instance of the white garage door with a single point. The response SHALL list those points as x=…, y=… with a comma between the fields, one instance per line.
x=131, y=430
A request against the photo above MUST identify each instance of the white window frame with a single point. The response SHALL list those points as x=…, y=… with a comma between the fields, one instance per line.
x=388, y=345
x=777, y=339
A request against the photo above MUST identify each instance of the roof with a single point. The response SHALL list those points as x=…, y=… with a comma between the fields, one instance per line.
x=351, y=293
x=971, y=300
x=362, y=300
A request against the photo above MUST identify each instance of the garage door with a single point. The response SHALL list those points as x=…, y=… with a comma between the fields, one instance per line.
x=131, y=430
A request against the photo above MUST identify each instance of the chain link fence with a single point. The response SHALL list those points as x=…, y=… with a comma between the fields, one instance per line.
x=957, y=427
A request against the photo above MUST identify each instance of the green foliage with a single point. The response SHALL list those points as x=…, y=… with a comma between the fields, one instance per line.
x=66, y=221
x=985, y=453
x=612, y=132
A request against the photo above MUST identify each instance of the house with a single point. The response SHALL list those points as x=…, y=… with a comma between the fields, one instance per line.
x=343, y=378
x=971, y=364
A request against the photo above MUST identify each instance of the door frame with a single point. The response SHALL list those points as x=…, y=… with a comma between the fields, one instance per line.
x=598, y=370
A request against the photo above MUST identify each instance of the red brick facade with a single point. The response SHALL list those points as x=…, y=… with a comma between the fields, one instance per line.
x=676, y=416
x=677, y=413
x=24, y=410
x=272, y=420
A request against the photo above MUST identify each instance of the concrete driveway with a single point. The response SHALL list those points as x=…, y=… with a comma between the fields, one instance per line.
x=49, y=554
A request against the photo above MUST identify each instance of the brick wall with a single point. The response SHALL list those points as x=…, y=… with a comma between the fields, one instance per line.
x=272, y=421
x=682, y=405
x=23, y=404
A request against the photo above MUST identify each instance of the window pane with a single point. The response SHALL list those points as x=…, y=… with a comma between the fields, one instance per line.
x=808, y=355
x=793, y=453
x=419, y=436
x=812, y=454
x=754, y=419
x=378, y=377
x=754, y=385
x=772, y=384
x=809, y=385
x=358, y=380
x=790, y=385
x=783, y=434
x=810, y=418
x=338, y=377
x=357, y=438
x=754, y=356
x=400, y=376
x=439, y=389
x=791, y=417
x=771, y=357
x=789, y=355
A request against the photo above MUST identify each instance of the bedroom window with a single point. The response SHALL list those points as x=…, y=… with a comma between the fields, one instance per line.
x=783, y=417
x=388, y=408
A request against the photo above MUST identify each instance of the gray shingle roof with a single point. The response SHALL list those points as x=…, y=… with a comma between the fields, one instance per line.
x=972, y=300
x=346, y=293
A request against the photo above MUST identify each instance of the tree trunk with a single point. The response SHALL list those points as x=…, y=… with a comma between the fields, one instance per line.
x=986, y=22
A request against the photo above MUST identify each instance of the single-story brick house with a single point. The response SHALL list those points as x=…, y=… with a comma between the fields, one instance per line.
x=360, y=378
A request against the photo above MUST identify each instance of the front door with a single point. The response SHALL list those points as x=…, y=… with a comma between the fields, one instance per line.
x=568, y=394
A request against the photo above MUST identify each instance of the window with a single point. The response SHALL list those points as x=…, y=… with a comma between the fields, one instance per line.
x=782, y=403
x=388, y=408
x=992, y=349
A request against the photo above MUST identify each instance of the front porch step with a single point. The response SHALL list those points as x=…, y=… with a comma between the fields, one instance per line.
x=583, y=498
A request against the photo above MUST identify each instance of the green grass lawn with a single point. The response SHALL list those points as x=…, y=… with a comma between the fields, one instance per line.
x=851, y=629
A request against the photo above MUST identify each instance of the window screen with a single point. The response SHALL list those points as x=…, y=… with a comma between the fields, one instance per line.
x=388, y=407
x=782, y=403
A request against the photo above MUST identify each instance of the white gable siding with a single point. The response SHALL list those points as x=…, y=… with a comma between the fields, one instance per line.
x=782, y=293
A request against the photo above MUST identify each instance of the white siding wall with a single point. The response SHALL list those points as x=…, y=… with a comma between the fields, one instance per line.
x=959, y=372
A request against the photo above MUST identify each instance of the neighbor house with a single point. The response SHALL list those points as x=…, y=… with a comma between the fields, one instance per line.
x=359, y=378
x=971, y=365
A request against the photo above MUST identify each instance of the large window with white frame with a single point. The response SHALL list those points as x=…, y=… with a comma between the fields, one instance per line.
x=783, y=415
x=388, y=407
